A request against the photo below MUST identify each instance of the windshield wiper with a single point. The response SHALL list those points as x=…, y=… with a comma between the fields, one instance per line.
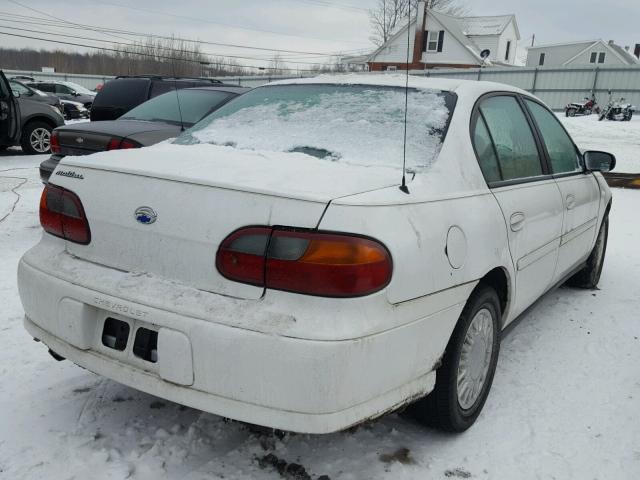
x=321, y=153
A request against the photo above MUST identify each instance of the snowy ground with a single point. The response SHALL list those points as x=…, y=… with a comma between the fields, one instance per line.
x=564, y=403
x=620, y=138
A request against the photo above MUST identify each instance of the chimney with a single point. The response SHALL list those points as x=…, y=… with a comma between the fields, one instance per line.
x=610, y=42
x=636, y=51
x=627, y=48
x=421, y=19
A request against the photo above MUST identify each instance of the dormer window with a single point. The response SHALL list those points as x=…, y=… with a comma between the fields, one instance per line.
x=432, y=42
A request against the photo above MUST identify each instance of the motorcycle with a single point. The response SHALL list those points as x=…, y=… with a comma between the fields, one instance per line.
x=582, y=108
x=617, y=111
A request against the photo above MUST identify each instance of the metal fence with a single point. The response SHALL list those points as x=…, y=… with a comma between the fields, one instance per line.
x=555, y=86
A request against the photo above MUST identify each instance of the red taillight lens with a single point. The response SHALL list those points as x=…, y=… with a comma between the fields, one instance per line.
x=303, y=261
x=62, y=215
x=121, y=144
x=55, y=142
x=241, y=256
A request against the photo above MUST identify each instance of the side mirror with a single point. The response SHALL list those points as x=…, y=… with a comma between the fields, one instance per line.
x=595, y=161
x=76, y=94
x=16, y=94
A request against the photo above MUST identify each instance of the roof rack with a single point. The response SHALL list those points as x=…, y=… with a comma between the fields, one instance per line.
x=163, y=77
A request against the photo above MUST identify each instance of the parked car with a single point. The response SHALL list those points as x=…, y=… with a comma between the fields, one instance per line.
x=276, y=264
x=154, y=121
x=26, y=122
x=23, y=78
x=27, y=92
x=74, y=110
x=118, y=96
x=67, y=91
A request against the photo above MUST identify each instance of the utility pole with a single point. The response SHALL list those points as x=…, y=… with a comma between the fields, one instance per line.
x=533, y=39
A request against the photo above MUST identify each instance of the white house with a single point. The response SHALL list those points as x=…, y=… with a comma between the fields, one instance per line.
x=440, y=40
x=585, y=53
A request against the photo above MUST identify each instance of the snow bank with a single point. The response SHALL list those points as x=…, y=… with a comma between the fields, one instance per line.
x=620, y=138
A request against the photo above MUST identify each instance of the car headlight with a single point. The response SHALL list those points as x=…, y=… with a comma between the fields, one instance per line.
x=55, y=109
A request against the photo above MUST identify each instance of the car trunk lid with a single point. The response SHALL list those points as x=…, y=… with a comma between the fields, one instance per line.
x=193, y=198
x=89, y=137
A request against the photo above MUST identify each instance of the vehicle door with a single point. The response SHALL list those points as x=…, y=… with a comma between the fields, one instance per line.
x=9, y=114
x=64, y=92
x=579, y=189
x=511, y=159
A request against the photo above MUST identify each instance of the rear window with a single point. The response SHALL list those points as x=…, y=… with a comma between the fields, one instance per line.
x=357, y=124
x=119, y=96
x=194, y=105
x=123, y=92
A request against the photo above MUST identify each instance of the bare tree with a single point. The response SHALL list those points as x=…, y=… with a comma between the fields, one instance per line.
x=276, y=65
x=388, y=15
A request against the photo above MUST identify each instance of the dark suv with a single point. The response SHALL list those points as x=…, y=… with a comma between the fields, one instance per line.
x=25, y=122
x=121, y=94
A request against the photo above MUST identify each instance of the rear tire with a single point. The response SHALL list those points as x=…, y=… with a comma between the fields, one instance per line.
x=589, y=276
x=36, y=138
x=571, y=112
x=468, y=366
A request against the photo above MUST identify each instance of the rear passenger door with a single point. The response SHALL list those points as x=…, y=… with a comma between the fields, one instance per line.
x=580, y=191
x=512, y=162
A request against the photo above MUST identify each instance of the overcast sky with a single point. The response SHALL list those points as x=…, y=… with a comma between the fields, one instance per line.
x=321, y=26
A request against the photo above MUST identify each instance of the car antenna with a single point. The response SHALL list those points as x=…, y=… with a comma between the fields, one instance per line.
x=404, y=187
x=175, y=87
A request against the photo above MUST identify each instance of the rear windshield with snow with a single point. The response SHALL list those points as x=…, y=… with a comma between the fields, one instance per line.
x=356, y=124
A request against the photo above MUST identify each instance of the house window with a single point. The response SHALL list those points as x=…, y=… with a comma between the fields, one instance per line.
x=432, y=42
x=594, y=56
x=541, y=61
x=601, y=57
x=506, y=55
x=392, y=68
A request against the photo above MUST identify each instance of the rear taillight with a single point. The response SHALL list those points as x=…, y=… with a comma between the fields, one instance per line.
x=55, y=142
x=304, y=261
x=121, y=144
x=62, y=215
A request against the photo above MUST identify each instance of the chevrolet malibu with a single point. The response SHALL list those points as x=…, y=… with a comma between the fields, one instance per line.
x=312, y=255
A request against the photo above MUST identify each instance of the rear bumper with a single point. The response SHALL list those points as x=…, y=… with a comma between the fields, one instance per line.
x=295, y=384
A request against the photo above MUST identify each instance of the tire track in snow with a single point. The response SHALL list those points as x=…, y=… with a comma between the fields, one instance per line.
x=14, y=190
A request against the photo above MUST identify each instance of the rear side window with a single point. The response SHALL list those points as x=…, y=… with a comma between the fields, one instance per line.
x=486, y=153
x=45, y=87
x=562, y=152
x=158, y=88
x=515, y=146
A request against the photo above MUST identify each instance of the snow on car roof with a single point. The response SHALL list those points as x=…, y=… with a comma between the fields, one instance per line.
x=399, y=80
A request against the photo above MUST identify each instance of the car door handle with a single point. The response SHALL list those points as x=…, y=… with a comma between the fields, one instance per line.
x=571, y=202
x=517, y=221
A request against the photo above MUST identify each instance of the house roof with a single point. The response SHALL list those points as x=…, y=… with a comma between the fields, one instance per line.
x=485, y=25
x=617, y=50
x=627, y=56
x=461, y=28
x=452, y=25
x=562, y=44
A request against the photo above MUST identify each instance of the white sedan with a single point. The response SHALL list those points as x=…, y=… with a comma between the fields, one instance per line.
x=277, y=264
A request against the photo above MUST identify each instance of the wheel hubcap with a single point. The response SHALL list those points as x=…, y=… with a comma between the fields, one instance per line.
x=475, y=359
x=40, y=140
